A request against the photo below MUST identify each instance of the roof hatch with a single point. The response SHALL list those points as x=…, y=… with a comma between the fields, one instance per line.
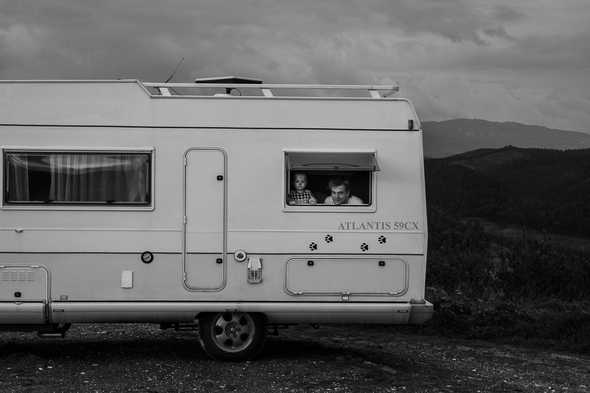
x=229, y=80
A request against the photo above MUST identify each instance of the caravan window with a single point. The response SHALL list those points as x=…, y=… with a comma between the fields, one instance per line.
x=77, y=178
x=330, y=179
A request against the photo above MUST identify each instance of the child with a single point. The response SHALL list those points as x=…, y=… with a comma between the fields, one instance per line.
x=299, y=195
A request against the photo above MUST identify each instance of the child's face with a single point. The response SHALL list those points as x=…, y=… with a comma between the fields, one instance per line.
x=300, y=182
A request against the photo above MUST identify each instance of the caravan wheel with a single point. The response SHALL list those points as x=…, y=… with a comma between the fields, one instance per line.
x=232, y=335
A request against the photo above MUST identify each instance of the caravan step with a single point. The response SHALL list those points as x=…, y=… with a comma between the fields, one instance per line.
x=180, y=327
x=54, y=331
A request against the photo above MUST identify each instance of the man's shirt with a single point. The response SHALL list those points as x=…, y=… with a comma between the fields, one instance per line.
x=352, y=200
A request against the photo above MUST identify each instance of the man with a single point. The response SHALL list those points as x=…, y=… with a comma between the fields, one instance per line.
x=340, y=193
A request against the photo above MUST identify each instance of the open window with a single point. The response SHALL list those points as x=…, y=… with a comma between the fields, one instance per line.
x=77, y=178
x=328, y=180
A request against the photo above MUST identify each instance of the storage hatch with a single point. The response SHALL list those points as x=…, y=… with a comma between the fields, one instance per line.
x=346, y=276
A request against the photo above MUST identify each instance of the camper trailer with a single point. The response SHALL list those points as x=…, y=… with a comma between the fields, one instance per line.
x=228, y=204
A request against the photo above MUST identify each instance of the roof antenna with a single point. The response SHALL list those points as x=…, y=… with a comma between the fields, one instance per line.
x=174, y=72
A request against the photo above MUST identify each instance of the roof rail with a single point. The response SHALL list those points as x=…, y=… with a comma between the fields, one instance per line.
x=167, y=89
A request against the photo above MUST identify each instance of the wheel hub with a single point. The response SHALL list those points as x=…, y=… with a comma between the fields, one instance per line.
x=233, y=332
x=232, y=329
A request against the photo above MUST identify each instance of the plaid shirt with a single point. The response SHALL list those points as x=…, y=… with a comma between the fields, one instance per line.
x=303, y=197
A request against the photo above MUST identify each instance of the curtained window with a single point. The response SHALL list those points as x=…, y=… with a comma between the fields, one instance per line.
x=77, y=178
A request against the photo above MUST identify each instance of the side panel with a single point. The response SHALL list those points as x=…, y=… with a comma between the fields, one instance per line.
x=22, y=313
x=88, y=251
x=97, y=277
x=256, y=220
x=316, y=312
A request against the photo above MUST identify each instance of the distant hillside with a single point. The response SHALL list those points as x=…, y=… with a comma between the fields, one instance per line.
x=539, y=188
x=445, y=138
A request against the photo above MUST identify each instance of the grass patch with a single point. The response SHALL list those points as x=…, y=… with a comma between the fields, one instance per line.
x=490, y=287
x=564, y=325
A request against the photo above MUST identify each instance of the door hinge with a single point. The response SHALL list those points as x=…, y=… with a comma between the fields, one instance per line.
x=184, y=220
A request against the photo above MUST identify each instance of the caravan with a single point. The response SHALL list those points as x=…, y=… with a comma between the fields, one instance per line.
x=227, y=203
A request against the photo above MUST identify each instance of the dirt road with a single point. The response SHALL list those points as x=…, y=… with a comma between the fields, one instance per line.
x=143, y=358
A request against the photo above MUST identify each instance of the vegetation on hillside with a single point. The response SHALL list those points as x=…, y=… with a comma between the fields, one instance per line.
x=543, y=189
x=486, y=285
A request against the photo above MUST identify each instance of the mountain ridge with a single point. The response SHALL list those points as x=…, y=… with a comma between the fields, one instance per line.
x=450, y=137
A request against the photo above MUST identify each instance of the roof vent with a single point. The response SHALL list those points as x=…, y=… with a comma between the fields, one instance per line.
x=228, y=80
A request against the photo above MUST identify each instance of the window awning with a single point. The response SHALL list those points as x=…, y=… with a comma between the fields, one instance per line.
x=336, y=161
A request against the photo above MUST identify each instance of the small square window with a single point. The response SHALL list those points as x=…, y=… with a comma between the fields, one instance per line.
x=317, y=179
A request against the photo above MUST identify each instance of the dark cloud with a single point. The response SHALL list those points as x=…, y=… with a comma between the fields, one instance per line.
x=498, y=32
x=114, y=39
x=453, y=19
x=146, y=38
x=534, y=53
x=505, y=13
x=461, y=42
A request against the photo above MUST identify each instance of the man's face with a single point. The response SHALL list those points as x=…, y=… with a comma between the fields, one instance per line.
x=340, y=194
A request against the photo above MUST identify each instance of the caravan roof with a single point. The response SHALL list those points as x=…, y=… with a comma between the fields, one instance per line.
x=133, y=103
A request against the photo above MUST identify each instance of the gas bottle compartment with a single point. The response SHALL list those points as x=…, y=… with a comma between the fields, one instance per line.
x=317, y=276
x=23, y=283
x=24, y=293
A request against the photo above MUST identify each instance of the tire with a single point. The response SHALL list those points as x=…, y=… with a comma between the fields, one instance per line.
x=232, y=336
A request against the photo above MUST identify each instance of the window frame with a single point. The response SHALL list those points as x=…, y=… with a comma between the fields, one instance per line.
x=77, y=206
x=322, y=208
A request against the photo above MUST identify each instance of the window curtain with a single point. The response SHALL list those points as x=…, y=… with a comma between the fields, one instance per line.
x=98, y=178
x=18, y=177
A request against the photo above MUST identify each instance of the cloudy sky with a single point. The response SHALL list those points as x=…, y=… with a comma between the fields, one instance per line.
x=518, y=60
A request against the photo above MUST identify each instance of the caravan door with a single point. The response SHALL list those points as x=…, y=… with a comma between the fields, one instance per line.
x=204, y=219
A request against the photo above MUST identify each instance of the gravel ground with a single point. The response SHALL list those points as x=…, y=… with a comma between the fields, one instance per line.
x=143, y=358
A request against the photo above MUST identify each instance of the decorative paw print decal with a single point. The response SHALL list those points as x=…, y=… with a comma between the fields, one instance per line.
x=329, y=238
x=382, y=239
x=364, y=247
x=313, y=246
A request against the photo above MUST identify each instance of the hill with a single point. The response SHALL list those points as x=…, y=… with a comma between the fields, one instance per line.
x=542, y=189
x=444, y=138
x=496, y=267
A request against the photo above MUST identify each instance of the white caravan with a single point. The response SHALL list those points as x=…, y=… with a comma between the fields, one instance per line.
x=226, y=203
